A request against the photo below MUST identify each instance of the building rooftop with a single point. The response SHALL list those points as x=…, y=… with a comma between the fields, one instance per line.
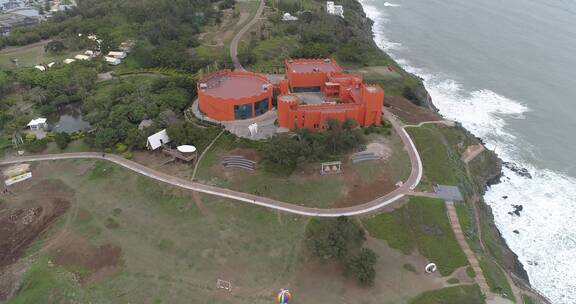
x=314, y=65
x=234, y=85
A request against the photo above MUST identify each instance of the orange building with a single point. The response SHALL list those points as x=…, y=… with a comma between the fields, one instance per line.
x=234, y=95
x=342, y=96
x=313, y=92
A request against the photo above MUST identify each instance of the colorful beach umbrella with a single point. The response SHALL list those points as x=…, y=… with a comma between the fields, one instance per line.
x=283, y=296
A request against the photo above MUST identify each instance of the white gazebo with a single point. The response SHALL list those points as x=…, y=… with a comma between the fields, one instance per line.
x=37, y=124
x=157, y=140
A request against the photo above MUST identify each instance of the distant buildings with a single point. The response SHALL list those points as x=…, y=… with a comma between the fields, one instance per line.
x=333, y=9
x=9, y=21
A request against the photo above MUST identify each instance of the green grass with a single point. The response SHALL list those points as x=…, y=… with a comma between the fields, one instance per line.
x=436, y=156
x=470, y=272
x=409, y=267
x=30, y=57
x=496, y=279
x=44, y=283
x=469, y=294
x=421, y=224
x=453, y=281
x=527, y=300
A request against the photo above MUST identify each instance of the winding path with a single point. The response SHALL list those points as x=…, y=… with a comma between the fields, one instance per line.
x=236, y=39
x=381, y=202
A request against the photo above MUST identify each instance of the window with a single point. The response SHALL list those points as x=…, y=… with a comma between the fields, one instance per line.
x=261, y=107
x=243, y=111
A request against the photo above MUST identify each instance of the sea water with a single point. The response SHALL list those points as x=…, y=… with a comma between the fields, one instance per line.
x=507, y=71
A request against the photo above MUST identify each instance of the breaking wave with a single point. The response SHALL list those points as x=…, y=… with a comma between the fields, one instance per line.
x=544, y=234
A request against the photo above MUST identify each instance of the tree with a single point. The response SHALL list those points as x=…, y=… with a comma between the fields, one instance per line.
x=62, y=139
x=54, y=47
x=330, y=239
x=362, y=266
x=38, y=94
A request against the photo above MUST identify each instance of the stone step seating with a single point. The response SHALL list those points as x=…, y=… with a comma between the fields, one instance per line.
x=364, y=156
x=236, y=161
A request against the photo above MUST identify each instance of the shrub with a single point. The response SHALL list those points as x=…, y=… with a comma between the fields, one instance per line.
x=121, y=148
x=62, y=139
x=362, y=266
x=36, y=145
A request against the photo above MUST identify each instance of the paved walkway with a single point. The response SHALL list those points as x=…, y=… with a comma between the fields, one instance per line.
x=236, y=39
x=491, y=298
x=379, y=203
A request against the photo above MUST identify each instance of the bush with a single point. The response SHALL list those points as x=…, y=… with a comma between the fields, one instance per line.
x=362, y=266
x=62, y=139
x=128, y=155
x=121, y=148
x=334, y=238
x=36, y=145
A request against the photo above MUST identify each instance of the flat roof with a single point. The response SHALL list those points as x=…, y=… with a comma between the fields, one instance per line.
x=234, y=86
x=309, y=66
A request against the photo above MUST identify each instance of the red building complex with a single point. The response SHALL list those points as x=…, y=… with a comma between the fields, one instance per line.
x=342, y=96
x=234, y=95
x=313, y=92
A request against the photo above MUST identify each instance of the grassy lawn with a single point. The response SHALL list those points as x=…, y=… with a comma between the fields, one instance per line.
x=469, y=294
x=317, y=191
x=496, y=279
x=437, y=158
x=30, y=56
x=175, y=245
x=422, y=224
x=272, y=51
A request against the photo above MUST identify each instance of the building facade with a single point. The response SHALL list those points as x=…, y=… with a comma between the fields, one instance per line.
x=342, y=96
x=234, y=95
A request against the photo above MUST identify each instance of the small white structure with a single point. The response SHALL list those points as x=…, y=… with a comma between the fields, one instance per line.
x=333, y=9
x=156, y=140
x=112, y=60
x=91, y=53
x=40, y=67
x=127, y=46
x=68, y=60
x=37, y=124
x=430, y=268
x=253, y=129
x=119, y=55
x=186, y=149
x=331, y=168
x=288, y=17
x=51, y=64
x=82, y=57
x=92, y=37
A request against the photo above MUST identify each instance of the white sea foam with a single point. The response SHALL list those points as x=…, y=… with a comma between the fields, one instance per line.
x=391, y=4
x=546, y=238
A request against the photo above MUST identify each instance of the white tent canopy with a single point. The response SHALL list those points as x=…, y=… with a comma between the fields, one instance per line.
x=37, y=122
x=157, y=140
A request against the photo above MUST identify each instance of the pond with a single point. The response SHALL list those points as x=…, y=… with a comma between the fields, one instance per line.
x=69, y=119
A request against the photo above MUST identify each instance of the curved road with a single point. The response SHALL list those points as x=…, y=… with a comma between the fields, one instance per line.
x=389, y=198
x=236, y=39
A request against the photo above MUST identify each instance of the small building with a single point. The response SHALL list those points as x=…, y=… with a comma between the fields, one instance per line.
x=82, y=57
x=10, y=21
x=119, y=55
x=40, y=68
x=288, y=17
x=38, y=124
x=112, y=60
x=157, y=140
x=333, y=9
x=68, y=60
x=51, y=64
x=91, y=53
x=127, y=46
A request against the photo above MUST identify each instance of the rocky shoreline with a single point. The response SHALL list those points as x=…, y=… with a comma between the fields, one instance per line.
x=509, y=258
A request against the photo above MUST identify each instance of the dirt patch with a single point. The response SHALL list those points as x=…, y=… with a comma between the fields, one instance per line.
x=360, y=192
x=96, y=263
x=408, y=111
x=250, y=154
x=163, y=163
x=30, y=211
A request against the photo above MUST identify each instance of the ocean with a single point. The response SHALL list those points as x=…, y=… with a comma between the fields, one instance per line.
x=506, y=70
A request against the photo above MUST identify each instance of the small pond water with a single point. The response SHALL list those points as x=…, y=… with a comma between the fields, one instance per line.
x=69, y=119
